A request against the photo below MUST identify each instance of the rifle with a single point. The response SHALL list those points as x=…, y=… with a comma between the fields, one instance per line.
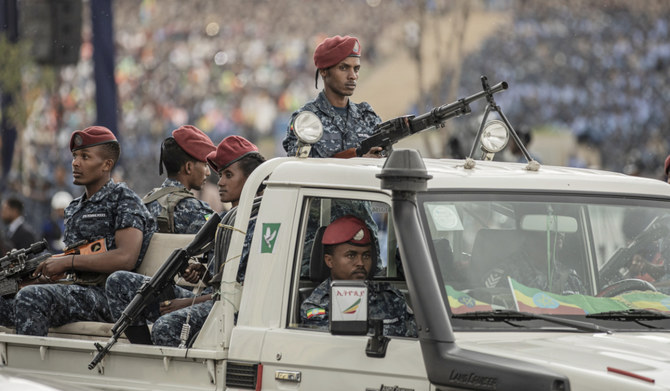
x=18, y=264
x=164, y=277
x=390, y=132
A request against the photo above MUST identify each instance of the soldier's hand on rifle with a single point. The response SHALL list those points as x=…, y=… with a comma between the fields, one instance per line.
x=53, y=269
x=193, y=272
x=374, y=152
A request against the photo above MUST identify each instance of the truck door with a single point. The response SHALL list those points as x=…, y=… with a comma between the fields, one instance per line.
x=297, y=357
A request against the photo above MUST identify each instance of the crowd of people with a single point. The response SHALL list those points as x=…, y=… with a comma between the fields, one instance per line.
x=597, y=69
x=243, y=68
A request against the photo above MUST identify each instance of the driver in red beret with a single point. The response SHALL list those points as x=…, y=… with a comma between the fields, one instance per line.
x=184, y=156
x=348, y=253
x=345, y=124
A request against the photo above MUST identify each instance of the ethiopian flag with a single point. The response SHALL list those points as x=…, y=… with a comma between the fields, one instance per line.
x=461, y=303
x=315, y=312
x=536, y=301
x=645, y=300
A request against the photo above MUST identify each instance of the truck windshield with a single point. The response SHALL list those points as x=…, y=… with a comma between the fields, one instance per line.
x=558, y=254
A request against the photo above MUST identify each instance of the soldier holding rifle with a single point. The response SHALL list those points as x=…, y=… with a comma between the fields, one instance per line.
x=108, y=211
x=345, y=124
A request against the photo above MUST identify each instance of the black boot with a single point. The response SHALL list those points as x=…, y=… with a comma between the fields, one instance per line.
x=139, y=334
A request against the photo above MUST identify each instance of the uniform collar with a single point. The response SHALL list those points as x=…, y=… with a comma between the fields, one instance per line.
x=172, y=183
x=324, y=105
x=100, y=194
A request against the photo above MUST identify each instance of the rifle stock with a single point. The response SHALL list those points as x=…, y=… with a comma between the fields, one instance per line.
x=150, y=290
x=390, y=132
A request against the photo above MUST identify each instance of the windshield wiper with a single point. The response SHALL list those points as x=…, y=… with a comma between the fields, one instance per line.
x=631, y=315
x=511, y=315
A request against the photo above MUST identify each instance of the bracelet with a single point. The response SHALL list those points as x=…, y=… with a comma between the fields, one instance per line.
x=72, y=266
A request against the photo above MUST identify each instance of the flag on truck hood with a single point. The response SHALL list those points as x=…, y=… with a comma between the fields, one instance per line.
x=533, y=300
x=462, y=303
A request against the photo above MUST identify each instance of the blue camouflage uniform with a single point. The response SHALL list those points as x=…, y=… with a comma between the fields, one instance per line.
x=190, y=213
x=112, y=208
x=384, y=302
x=339, y=132
x=166, y=330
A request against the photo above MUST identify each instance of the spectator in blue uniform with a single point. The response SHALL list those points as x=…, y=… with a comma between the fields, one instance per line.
x=184, y=156
x=106, y=210
x=347, y=249
x=345, y=124
x=234, y=160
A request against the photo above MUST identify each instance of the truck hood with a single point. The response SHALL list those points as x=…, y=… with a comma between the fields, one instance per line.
x=606, y=359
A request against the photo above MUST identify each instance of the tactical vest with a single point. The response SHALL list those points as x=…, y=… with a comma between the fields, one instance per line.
x=168, y=198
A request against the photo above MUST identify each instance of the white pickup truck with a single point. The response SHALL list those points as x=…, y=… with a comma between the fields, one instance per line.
x=520, y=277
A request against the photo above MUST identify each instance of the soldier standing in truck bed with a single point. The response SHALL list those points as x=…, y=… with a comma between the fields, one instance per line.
x=184, y=156
x=345, y=124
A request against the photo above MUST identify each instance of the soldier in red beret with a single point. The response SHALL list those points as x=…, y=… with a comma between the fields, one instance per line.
x=234, y=159
x=184, y=156
x=347, y=251
x=107, y=210
x=345, y=124
x=667, y=168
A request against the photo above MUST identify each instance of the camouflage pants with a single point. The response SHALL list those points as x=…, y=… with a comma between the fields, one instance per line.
x=121, y=288
x=7, y=312
x=39, y=307
x=166, y=331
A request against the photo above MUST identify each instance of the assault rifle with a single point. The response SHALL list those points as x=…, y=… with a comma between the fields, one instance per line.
x=390, y=132
x=18, y=265
x=164, y=277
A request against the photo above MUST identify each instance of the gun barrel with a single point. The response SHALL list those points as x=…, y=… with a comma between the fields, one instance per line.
x=34, y=248
x=102, y=351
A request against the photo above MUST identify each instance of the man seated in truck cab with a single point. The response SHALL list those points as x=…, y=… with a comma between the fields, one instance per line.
x=347, y=249
x=234, y=160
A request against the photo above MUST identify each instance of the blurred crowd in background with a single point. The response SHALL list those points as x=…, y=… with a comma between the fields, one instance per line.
x=598, y=69
x=595, y=69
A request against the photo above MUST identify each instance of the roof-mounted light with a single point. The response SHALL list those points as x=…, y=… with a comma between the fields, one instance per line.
x=308, y=129
x=494, y=136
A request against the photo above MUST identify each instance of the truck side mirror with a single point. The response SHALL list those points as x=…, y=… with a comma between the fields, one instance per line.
x=348, y=307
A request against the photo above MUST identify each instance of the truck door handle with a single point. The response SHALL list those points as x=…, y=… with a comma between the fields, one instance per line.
x=289, y=376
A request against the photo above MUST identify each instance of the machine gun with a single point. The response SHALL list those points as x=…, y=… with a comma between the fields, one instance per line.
x=164, y=277
x=390, y=132
x=19, y=264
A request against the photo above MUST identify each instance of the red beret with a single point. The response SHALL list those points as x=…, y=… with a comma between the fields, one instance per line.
x=347, y=229
x=667, y=164
x=91, y=136
x=194, y=142
x=335, y=49
x=230, y=150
